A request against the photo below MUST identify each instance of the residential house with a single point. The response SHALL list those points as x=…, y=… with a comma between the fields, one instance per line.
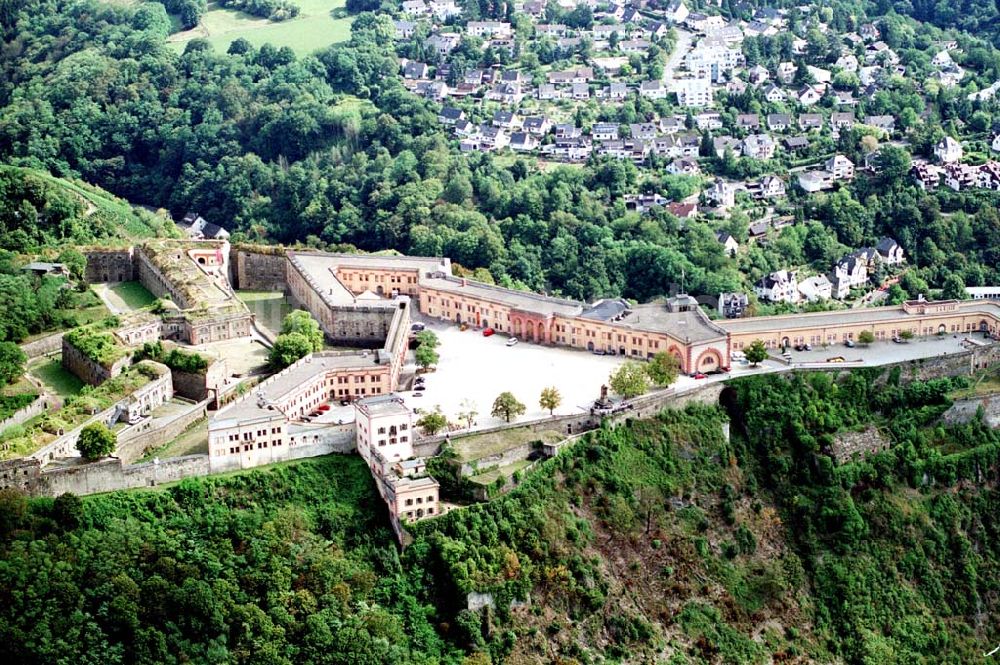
x=722, y=143
x=840, y=167
x=676, y=12
x=682, y=210
x=809, y=95
x=404, y=29
x=728, y=242
x=948, y=150
x=436, y=90
x=523, y=142
x=672, y=124
x=537, y=125
x=869, y=32
x=778, y=122
x=774, y=94
x=841, y=121
x=506, y=93
x=693, y=92
x=848, y=63
x=890, y=252
x=713, y=120
x=652, y=90
x=615, y=91
x=548, y=92
x=683, y=166
x=449, y=116
x=642, y=131
x=758, y=75
x=507, y=120
x=750, y=121
x=849, y=273
x=580, y=91
x=926, y=176
x=722, y=193
x=500, y=29
x=733, y=305
x=577, y=75
x=815, y=288
x=568, y=131
x=810, y=121
x=443, y=43
x=604, y=131
x=780, y=286
x=492, y=138
x=786, y=72
x=736, y=86
x=551, y=29
x=758, y=146
x=644, y=203
x=465, y=128
x=796, y=143
x=815, y=181
x=886, y=123
x=415, y=8
x=961, y=176
x=767, y=187
x=995, y=143
x=415, y=70
x=712, y=61
x=820, y=75
x=634, y=46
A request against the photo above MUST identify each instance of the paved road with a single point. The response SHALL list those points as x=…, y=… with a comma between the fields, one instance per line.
x=685, y=40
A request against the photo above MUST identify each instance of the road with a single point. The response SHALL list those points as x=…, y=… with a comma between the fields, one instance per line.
x=685, y=40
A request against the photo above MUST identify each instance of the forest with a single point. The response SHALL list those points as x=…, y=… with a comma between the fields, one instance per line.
x=331, y=151
x=657, y=537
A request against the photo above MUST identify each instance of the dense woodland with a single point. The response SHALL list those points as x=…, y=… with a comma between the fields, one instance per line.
x=331, y=150
x=655, y=538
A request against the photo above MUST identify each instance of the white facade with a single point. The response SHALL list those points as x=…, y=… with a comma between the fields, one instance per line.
x=384, y=424
x=695, y=92
x=948, y=150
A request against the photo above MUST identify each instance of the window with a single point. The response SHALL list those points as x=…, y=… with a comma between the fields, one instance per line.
x=409, y=502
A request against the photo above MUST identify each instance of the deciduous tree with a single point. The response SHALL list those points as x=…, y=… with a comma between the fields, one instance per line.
x=550, y=399
x=663, y=368
x=756, y=353
x=629, y=380
x=96, y=441
x=507, y=407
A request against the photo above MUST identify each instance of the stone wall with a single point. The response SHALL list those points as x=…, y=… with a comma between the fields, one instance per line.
x=88, y=370
x=262, y=270
x=109, y=265
x=155, y=281
x=36, y=408
x=65, y=445
x=964, y=363
x=852, y=445
x=964, y=410
x=312, y=442
x=135, y=441
x=43, y=346
x=28, y=476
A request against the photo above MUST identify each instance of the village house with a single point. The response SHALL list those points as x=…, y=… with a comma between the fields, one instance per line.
x=841, y=167
x=780, y=286
x=850, y=272
x=948, y=150
x=693, y=92
x=815, y=181
x=733, y=305
x=652, y=90
x=758, y=146
x=815, y=288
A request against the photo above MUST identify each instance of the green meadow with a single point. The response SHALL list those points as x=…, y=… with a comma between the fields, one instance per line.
x=315, y=27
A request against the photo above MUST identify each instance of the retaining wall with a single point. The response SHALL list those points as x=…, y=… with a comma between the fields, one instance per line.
x=259, y=270
x=134, y=441
x=36, y=408
x=43, y=346
x=107, y=475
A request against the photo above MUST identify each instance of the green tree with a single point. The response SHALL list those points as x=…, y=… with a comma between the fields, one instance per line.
x=629, y=380
x=756, y=353
x=433, y=422
x=288, y=348
x=12, y=361
x=663, y=368
x=550, y=399
x=906, y=334
x=302, y=322
x=954, y=288
x=866, y=337
x=507, y=407
x=96, y=441
x=428, y=338
x=74, y=261
x=425, y=355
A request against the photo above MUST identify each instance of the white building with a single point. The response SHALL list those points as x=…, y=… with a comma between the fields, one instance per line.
x=815, y=288
x=948, y=150
x=489, y=29
x=696, y=92
x=780, y=286
x=841, y=167
x=384, y=424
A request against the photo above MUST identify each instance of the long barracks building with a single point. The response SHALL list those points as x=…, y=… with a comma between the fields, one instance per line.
x=365, y=301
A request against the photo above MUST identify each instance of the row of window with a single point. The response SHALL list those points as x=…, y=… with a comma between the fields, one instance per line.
x=420, y=500
x=393, y=441
x=247, y=447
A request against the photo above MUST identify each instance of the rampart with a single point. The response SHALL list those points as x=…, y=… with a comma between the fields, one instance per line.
x=137, y=440
x=109, y=265
x=28, y=476
x=259, y=268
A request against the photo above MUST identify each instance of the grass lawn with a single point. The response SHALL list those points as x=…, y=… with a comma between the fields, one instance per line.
x=133, y=294
x=269, y=307
x=477, y=446
x=985, y=383
x=488, y=477
x=50, y=372
x=314, y=28
x=192, y=441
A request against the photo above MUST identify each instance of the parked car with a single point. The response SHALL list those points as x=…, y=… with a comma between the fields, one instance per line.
x=417, y=327
x=344, y=402
x=807, y=347
x=835, y=359
x=699, y=375
x=798, y=347
x=419, y=387
x=849, y=343
x=488, y=331
x=897, y=339
x=512, y=341
x=324, y=407
x=600, y=352
x=418, y=394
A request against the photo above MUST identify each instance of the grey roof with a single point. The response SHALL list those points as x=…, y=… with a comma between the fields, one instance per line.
x=605, y=310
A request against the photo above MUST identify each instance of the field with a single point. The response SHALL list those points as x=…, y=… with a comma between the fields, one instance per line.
x=50, y=372
x=321, y=23
x=477, y=446
x=192, y=441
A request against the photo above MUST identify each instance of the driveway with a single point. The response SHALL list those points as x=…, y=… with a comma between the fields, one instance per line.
x=685, y=40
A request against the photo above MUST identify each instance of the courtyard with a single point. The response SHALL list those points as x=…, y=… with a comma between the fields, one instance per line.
x=476, y=369
x=884, y=353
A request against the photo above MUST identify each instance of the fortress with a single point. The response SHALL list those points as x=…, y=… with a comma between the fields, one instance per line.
x=366, y=301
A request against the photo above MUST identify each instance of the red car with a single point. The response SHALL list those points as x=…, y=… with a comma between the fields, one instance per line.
x=324, y=407
x=488, y=331
x=699, y=375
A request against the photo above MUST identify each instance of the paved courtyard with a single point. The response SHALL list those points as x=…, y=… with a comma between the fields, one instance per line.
x=477, y=368
x=882, y=353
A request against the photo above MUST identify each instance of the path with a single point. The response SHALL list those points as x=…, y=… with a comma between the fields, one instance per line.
x=111, y=300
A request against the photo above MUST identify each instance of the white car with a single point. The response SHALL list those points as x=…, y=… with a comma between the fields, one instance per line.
x=512, y=341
